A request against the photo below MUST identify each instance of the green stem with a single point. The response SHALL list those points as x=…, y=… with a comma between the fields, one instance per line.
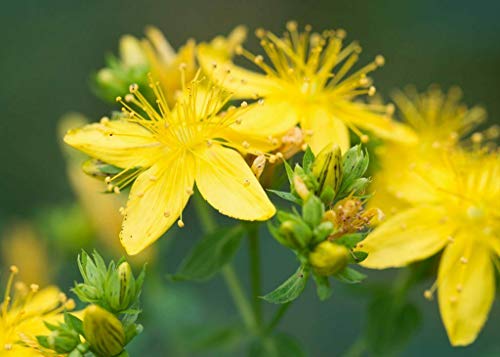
x=255, y=271
x=239, y=298
x=356, y=349
x=277, y=317
x=235, y=289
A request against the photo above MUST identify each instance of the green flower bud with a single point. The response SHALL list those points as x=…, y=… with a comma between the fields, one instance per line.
x=103, y=331
x=329, y=258
x=322, y=231
x=296, y=232
x=127, y=286
x=312, y=211
x=300, y=187
x=63, y=341
x=327, y=168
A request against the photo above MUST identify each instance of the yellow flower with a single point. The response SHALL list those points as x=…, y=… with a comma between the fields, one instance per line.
x=155, y=54
x=166, y=150
x=164, y=61
x=440, y=122
x=308, y=82
x=460, y=214
x=22, y=314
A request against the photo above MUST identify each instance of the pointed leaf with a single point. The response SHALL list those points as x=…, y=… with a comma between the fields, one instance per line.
x=290, y=289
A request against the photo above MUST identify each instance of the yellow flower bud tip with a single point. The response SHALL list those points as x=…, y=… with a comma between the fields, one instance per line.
x=328, y=258
x=300, y=187
x=103, y=331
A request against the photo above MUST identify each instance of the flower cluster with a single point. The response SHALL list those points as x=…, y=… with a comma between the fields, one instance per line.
x=194, y=122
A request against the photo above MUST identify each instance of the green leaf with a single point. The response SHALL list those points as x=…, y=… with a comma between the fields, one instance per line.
x=350, y=240
x=308, y=160
x=278, y=345
x=358, y=256
x=73, y=322
x=210, y=254
x=350, y=276
x=312, y=211
x=287, y=196
x=290, y=289
x=289, y=172
x=323, y=287
x=391, y=324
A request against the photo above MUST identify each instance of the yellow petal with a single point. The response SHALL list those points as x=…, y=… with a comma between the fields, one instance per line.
x=409, y=236
x=249, y=142
x=382, y=126
x=227, y=183
x=325, y=128
x=242, y=82
x=272, y=118
x=117, y=142
x=156, y=200
x=466, y=289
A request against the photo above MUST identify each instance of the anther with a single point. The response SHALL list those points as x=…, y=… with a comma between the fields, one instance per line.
x=180, y=223
x=239, y=50
x=390, y=109
x=477, y=138
x=428, y=294
x=14, y=269
x=109, y=187
x=34, y=287
x=379, y=60
x=189, y=191
x=260, y=32
x=116, y=189
x=308, y=28
x=104, y=120
x=341, y=33
x=118, y=99
x=245, y=144
x=107, y=179
x=129, y=97
x=371, y=91
x=182, y=66
x=464, y=260
x=152, y=178
x=134, y=87
x=244, y=104
x=258, y=59
x=460, y=288
x=364, y=138
x=291, y=26
x=260, y=101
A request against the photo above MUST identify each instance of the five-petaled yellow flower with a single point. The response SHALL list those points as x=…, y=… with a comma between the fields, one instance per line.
x=308, y=82
x=22, y=315
x=166, y=150
x=440, y=122
x=460, y=214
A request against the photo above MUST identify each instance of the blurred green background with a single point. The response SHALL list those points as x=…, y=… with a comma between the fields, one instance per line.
x=50, y=48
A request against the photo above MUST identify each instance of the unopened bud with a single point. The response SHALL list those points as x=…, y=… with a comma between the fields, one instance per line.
x=327, y=168
x=329, y=258
x=103, y=331
x=296, y=233
x=300, y=187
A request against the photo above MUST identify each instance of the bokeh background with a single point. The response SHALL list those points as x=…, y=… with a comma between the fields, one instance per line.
x=50, y=48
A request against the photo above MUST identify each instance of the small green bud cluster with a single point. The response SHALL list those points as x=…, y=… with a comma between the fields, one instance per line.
x=113, y=287
x=329, y=188
x=108, y=323
x=130, y=67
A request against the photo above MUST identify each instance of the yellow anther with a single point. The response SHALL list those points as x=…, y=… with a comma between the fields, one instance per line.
x=379, y=60
x=364, y=138
x=134, y=87
x=180, y=223
x=116, y=189
x=428, y=294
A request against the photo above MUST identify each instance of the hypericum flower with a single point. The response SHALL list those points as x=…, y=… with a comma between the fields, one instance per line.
x=155, y=54
x=23, y=312
x=308, y=82
x=167, y=150
x=440, y=122
x=460, y=214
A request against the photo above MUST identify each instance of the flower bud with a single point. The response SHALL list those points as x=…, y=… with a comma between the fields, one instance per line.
x=312, y=211
x=329, y=258
x=63, y=341
x=300, y=187
x=327, y=168
x=127, y=286
x=296, y=233
x=103, y=331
